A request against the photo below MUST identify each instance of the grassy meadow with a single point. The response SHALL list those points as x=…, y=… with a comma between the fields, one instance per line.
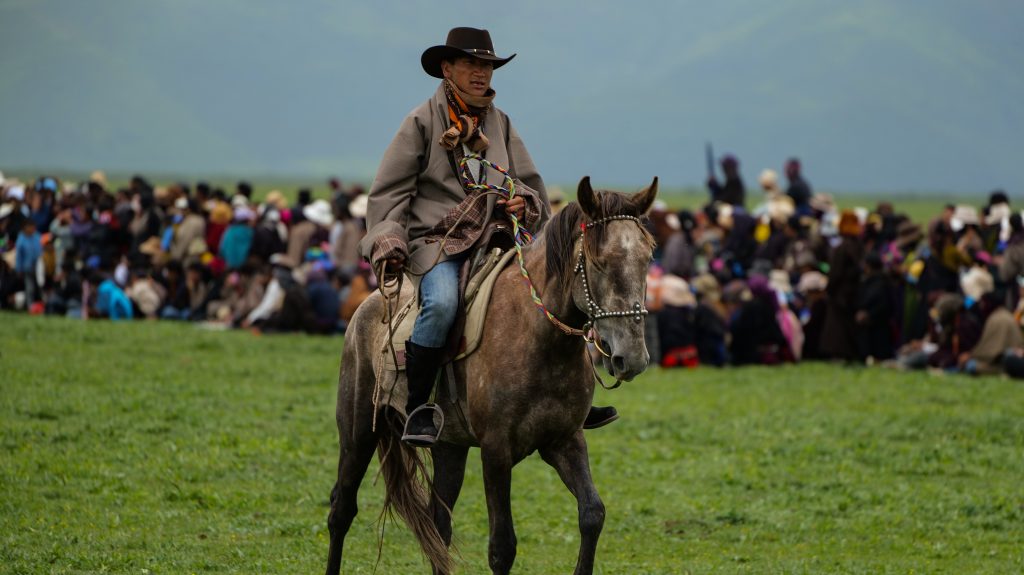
x=160, y=448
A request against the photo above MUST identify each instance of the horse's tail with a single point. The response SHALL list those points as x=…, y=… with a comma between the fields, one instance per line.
x=407, y=492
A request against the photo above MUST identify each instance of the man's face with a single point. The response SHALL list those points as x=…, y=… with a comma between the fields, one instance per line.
x=471, y=75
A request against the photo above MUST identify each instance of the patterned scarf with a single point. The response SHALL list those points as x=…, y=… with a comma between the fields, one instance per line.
x=466, y=114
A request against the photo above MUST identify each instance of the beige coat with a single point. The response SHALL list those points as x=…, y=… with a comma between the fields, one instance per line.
x=191, y=228
x=417, y=183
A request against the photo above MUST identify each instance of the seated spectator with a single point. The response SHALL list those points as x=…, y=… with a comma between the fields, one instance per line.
x=111, y=301
x=953, y=332
x=756, y=337
x=1000, y=331
x=188, y=228
x=237, y=240
x=322, y=293
x=178, y=303
x=813, y=308
x=66, y=296
x=675, y=305
x=146, y=294
x=199, y=290
x=787, y=319
x=709, y=321
x=362, y=285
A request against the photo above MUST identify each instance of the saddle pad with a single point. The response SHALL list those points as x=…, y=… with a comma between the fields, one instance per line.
x=478, y=295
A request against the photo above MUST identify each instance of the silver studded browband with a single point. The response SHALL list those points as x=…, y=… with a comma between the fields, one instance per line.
x=594, y=310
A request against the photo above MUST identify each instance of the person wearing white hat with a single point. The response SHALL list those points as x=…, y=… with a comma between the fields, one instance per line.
x=313, y=230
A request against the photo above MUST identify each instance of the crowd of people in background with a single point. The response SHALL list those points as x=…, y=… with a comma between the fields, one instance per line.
x=185, y=253
x=785, y=276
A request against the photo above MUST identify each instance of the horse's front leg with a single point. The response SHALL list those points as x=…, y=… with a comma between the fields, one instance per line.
x=497, y=464
x=449, y=471
x=570, y=459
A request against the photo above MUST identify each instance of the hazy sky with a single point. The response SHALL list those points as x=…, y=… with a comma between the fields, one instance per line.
x=873, y=96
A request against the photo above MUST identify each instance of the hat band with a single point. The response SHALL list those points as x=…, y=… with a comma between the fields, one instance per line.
x=479, y=51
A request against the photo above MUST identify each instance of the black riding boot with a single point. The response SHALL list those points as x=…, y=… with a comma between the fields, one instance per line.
x=421, y=365
x=600, y=417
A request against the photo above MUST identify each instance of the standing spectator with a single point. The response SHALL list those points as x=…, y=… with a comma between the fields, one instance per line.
x=305, y=197
x=28, y=248
x=347, y=232
x=148, y=216
x=732, y=192
x=839, y=334
x=874, y=312
x=799, y=190
x=311, y=232
x=18, y=212
x=811, y=288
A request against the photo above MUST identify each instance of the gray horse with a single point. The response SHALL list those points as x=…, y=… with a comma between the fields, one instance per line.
x=527, y=388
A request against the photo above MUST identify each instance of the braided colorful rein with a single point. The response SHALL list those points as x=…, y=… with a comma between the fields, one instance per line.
x=521, y=235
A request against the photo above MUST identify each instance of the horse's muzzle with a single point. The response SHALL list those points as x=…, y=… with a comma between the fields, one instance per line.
x=626, y=365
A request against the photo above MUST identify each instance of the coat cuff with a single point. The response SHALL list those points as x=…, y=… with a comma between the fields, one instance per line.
x=388, y=246
x=534, y=209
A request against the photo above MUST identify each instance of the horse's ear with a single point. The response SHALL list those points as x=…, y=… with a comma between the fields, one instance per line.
x=587, y=198
x=644, y=199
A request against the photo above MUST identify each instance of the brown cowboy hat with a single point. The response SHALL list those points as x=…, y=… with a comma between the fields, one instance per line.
x=461, y=42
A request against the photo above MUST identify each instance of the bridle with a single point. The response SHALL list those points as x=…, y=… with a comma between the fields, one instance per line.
x=594, y=310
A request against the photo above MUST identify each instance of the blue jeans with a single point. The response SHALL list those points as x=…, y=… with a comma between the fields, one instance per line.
x=439, y=304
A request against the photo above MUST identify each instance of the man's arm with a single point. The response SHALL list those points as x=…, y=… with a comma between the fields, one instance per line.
x=390, y=194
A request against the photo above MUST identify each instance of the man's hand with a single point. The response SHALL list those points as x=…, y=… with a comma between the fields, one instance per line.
x=514, y=207
x=390, y=269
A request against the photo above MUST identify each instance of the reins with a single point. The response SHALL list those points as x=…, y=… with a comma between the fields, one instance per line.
x=522, y=237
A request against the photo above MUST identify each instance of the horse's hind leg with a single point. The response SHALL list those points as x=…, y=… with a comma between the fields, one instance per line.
x=570, y=459
x=356, y=453
x=449, y=471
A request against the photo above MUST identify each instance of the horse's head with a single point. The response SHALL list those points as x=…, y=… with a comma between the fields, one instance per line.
x=614, y=252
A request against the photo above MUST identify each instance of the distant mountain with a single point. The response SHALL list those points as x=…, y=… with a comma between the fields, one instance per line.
x=872, y=95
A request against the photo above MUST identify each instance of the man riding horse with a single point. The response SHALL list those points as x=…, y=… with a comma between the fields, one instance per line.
x=424, y=219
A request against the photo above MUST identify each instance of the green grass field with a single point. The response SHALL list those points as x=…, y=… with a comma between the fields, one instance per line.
x=159, y=448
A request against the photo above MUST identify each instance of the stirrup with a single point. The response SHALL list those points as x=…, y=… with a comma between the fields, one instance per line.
x=423, y=439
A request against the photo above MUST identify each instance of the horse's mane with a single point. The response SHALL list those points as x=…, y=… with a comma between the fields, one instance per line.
x=560, y=235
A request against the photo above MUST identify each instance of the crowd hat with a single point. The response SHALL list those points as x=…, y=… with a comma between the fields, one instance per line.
x=976, y=283
x=319, y=212
x=812, y=281
x=461, y=42
x=16, y=192
x=676, y=292
x=908, y=234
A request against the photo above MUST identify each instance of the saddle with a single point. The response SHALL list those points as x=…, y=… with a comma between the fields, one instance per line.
x=477, y=280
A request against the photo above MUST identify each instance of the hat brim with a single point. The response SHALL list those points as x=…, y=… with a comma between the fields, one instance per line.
x=433, y=56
